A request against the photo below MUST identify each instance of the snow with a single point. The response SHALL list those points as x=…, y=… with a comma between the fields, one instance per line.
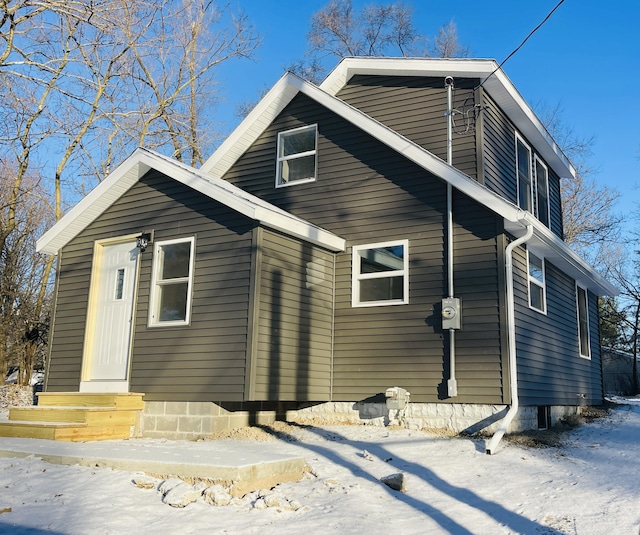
x=587, y=486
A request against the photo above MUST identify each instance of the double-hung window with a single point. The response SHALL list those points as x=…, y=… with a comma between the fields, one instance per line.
x=172, y=281
x=537, y=283
x=297, y=151
x=542, y=192
x=523, y=168
x=583, y=321
x=380, y=274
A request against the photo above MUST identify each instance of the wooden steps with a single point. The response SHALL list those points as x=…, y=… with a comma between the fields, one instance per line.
x=75, y=417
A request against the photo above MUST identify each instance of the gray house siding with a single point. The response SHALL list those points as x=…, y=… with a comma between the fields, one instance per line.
x=416, y=108
x=550, y=369
x=499, y=161
x=367, y=193
x=294, y=321
x=169, y=363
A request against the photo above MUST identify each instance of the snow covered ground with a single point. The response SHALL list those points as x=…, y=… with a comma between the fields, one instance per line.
x=588, y=486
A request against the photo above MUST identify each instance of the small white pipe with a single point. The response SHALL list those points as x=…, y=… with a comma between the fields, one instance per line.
x=511, y=341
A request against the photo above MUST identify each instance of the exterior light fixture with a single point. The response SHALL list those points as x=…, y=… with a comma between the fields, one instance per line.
x=142, y=241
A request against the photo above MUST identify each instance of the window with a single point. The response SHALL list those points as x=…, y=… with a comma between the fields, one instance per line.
x=542, y=192
x=537, y=298
x=380, y=274
x=172, y=280
x=583, y=322
x=297, y=156
x=523, y=166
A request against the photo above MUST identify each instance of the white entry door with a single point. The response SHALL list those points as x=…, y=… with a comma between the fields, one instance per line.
x=110, y=343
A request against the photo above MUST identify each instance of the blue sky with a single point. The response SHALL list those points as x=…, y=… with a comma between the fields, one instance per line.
x=585, y=59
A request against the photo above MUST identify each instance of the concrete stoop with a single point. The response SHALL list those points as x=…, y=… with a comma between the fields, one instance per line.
x=75, y=417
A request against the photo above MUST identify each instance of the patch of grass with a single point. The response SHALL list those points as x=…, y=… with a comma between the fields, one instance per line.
x=552, y=438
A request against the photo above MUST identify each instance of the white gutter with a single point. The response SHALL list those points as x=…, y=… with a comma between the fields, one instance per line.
x=511, y=340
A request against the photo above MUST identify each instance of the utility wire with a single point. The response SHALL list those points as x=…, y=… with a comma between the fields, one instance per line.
x=524, y=41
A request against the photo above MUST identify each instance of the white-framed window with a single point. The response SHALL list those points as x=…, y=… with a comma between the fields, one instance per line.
x=524, y=174
x=542, y=191
x=297, y=151
x=172, y=280
x=537, y=282
x=582, y=304
x=380, y=274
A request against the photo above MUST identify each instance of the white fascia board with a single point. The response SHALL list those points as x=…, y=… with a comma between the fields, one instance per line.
x=561, y=255
x=495, y=82
x=252, y=126
x=134, y=167
x=94, y=204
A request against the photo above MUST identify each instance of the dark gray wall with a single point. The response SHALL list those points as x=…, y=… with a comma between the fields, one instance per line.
x=499, y=161
x=416, y=108
x=200, y=362
x=367, y=193
x=550, y=369
x=293, y=336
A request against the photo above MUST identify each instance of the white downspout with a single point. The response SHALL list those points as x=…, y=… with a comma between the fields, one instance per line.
x=511, y=340
x=452, y=384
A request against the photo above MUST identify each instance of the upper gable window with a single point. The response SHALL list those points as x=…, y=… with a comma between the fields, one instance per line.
x=297, y=156
x=537, y=283
x=380, y=274
x=523, y=166
x=542, y=192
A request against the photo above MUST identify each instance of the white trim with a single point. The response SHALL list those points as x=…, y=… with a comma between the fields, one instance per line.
x=520, y=140
x=542, y=284
x=112, y=387
x=156, y=284
x=586, y=302
x=357, y=277
x=281, y=159
x=537, y=160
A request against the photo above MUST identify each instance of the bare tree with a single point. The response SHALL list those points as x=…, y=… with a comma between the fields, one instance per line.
x=338, y=31
x=81, y=85
x=591, y=225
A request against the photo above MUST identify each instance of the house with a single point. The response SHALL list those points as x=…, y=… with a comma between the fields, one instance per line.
x=396, y=229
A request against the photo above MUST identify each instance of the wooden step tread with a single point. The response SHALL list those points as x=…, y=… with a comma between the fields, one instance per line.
x=29, y=423
x=36, y=408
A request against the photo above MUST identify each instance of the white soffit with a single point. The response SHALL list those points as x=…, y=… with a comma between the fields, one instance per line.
x=141, y=161
x=495, y=82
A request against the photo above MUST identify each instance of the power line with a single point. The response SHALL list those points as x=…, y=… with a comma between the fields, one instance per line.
x=524, y=41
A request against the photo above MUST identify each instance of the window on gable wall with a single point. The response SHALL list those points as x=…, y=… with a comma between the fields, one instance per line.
x=523, y=165
x=172, y=280
x=297, y=156
x=583, y=321
x=542, y=192
x=380, y=274
x=537, y=283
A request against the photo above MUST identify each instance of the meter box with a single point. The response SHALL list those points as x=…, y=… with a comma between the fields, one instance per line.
x=397, y=398
x=451, y=312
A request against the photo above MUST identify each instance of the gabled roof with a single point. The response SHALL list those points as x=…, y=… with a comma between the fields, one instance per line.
x=515, y=218
x=494, y=81
x=143, y=160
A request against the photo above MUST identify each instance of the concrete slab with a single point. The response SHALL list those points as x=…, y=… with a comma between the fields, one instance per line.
x=240, y=466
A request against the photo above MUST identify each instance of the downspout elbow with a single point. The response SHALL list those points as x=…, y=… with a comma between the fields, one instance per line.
x=511, y=338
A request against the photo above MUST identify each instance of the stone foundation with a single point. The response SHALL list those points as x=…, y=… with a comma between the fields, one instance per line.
x=193, y=420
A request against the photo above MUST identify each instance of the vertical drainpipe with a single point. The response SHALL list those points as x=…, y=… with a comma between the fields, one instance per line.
x=511, y=340
x=452, y=385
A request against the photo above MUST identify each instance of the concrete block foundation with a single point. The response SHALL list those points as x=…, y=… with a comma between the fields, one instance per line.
x=194, y=420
